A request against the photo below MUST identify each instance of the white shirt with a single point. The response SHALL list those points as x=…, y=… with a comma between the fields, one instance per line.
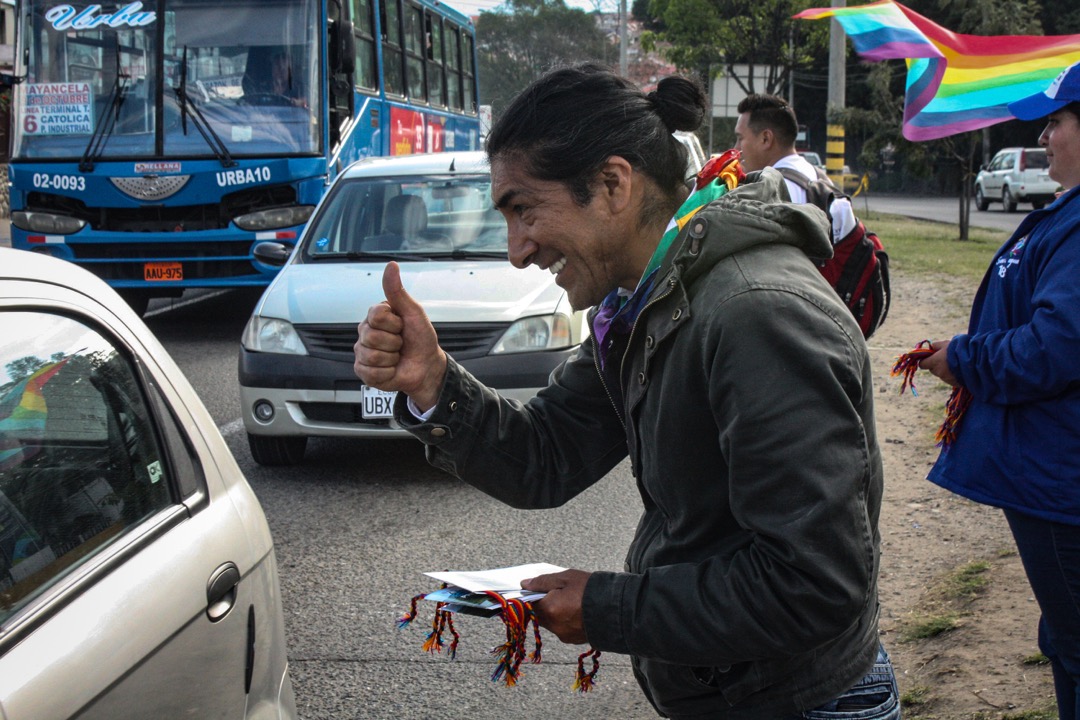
x=843, y=215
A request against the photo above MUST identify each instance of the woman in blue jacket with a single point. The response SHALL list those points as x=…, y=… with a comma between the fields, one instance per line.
x=1018, y=444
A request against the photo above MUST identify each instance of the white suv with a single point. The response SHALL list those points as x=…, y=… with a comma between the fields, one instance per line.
x=1016, y=175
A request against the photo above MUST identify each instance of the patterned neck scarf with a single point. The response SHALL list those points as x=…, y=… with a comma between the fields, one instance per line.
x=621, y=308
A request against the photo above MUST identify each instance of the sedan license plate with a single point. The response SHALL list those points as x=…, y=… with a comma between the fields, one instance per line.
x=378, y=404
x=159, y=271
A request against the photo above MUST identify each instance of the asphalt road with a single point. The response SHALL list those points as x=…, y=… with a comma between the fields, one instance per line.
x=940, y=209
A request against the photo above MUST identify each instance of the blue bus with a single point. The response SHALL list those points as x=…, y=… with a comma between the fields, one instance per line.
x=155, y=143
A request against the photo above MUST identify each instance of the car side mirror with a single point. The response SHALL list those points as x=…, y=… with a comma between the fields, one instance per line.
x=272, y=253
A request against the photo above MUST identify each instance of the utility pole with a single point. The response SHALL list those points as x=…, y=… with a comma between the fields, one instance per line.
x=791, y=65
x=834, y=146
x=624, y=20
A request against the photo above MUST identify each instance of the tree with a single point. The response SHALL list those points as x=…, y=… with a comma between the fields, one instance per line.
x=1060, y=17
x=23, y=367
x=721, y=34
x=526, y=38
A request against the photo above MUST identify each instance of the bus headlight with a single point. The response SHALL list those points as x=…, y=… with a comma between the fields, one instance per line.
x=49, y=223
x=271, y=335
x=275, y=218
x=545, y=332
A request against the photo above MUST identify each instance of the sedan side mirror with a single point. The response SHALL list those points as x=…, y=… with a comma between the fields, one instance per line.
x=273, y=253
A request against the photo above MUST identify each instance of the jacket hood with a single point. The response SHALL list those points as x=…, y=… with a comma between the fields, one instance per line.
x=757, y=212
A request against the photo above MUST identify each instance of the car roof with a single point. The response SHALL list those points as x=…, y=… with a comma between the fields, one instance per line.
x=469, y=162
x=38, y=267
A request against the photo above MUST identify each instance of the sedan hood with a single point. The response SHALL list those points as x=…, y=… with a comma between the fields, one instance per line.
x=449, y=291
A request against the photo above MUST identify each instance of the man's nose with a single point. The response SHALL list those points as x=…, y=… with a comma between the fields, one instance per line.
x=520, y=248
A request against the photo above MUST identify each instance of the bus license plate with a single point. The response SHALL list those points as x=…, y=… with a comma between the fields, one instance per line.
x=378, y=404
x=157, y=271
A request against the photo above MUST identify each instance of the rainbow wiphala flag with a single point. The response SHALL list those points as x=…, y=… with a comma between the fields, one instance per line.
x=955, y=82
x=22, y=415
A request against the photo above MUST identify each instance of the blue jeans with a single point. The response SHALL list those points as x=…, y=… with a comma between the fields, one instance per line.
x=1050, y=552
x=875, y=697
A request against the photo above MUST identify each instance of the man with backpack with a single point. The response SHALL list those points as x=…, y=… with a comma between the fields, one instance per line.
x=765, y=137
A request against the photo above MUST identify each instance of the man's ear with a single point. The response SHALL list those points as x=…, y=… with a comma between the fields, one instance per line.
x=614, y=183
x=768, y=139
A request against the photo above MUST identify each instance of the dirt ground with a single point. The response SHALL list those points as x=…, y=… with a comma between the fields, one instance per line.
x=983, y=668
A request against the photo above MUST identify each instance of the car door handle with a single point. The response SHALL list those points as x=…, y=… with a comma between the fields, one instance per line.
x=221, y=591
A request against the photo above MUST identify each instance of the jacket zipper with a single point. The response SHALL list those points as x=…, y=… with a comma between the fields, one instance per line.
x=607, y=390
x=630, y=339
x=622, y=361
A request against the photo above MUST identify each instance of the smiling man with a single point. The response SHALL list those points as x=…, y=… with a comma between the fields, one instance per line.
x=721, y=363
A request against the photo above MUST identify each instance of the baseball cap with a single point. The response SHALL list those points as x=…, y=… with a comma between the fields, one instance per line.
x=1064, y=90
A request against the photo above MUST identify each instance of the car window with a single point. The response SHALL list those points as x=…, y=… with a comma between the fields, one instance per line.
x=1035, y=160
x=1008, y=161
x=996, y=164
x=407, y=217
x=79, y=460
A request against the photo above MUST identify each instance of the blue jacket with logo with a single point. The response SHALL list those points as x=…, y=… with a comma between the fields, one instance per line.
x=1018, y=445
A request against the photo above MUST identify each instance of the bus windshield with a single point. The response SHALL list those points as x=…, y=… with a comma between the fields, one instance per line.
x=201, y=80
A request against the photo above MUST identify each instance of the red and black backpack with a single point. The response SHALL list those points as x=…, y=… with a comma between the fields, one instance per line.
x=859, y=267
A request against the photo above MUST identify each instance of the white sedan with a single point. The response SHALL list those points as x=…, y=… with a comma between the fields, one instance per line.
x=137, y=572
x=433, y=215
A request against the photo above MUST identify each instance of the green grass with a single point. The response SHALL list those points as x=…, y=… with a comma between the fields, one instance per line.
x=1048, y=714
x=1036, y=659
x=931, y=626
x=967, y=582
x=923, y=247
x=915, y=696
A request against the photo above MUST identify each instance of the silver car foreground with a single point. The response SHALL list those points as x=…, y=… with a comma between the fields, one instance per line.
x=137, y=573
x=432, y=214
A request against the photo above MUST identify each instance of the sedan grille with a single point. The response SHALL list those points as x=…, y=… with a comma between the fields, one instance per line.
x=462, y=340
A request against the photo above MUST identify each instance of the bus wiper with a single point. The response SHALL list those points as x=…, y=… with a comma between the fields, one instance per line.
x=107, y=122
x=198, y=119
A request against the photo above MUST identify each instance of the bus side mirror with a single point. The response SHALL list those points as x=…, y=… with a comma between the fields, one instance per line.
x=342, y=48
x=8, y=81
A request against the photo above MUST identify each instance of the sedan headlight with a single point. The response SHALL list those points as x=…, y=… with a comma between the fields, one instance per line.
x=270, y=335
x=546, y=332
x=275, y=218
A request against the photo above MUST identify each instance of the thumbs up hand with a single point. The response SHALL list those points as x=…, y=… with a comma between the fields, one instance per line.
x=397, y=349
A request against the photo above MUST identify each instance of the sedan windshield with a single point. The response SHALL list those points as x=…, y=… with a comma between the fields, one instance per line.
x=408, y=218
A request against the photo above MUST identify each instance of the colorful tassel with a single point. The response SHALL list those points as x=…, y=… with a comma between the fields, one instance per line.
x=409, y=616
x=584, y=681
x=516, y=616
x=957, y=403
x=959, y=400
x=908, y=364
x=442, y=622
